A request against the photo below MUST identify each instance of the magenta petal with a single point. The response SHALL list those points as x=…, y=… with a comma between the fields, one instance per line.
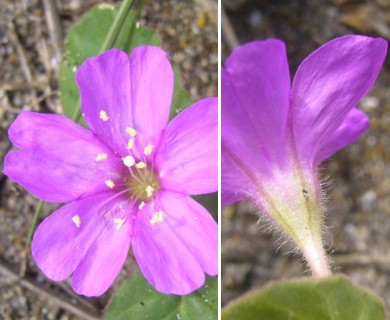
x=103, y=261
x=175, y=249
x=105, y=90
x=118, y=92
x=151, y=92
x=255, y=102
x=354, y=125
x=328, y=84
x=62, y=240
x=188, y=156
x=235, y=182
x=57, y=161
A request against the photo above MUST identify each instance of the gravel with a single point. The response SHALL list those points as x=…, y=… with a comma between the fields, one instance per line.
x=29, y=81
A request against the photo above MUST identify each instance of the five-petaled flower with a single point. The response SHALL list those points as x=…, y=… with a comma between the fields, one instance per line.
x=127, y=181
x=275, y=135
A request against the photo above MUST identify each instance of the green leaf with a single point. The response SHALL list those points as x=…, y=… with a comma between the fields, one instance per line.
x=210, y=202
x=136, y=299
x=181, y=99
x=143, y=37
x=334, y=298
x=85, y=40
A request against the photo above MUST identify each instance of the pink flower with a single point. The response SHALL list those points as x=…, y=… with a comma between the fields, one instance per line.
x=127, y=181
x=275, y=135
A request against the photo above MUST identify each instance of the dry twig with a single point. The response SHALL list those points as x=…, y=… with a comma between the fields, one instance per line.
x=361, y=259
x=228, y=33
x=23, y=59
x=55, y=28
x=16, y=85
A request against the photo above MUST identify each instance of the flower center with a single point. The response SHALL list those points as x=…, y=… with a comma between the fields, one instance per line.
x=143, y=183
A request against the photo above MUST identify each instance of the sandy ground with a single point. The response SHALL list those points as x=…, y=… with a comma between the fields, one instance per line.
x=29, y=52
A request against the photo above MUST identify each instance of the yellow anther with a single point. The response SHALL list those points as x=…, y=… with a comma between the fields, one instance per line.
x=148, y=149
x=110, y=183
x=130, y=144
x=103, y=115
x=101, y=156
x=141, y=205
x=149, y=191
x=141, y=165
x=157, y=217
x=76, y=220
x=128, y=161
x=119, y=223
x=131, y=131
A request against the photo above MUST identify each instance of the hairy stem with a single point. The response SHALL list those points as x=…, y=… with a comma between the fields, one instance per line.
x=316, y=258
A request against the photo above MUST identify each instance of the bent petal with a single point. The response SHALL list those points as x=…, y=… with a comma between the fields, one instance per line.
x=59, y=159
x=328, y=84
x=255, y=103
x=354, y=125
x=236, y=180
x=188, y=155
x=104, y=260
x=120, y=92
x=175, y=243
x=63, y=239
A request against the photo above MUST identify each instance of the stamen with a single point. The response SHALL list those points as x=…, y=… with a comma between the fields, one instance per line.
x=130, y=144
x=110, y=183
x=149, y=191
x=157, y=217
x=142, y=184
x=119, y=223
x=101, y=156
x=141, y=165
x=76, y=220
x=103, y=115
x=128, y=161
x=141, y=205
x=148, y=149
x=107, y=214
x=131, y=131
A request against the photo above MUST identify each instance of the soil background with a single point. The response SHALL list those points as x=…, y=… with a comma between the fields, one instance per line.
x=358, y=217
x=31, y=44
